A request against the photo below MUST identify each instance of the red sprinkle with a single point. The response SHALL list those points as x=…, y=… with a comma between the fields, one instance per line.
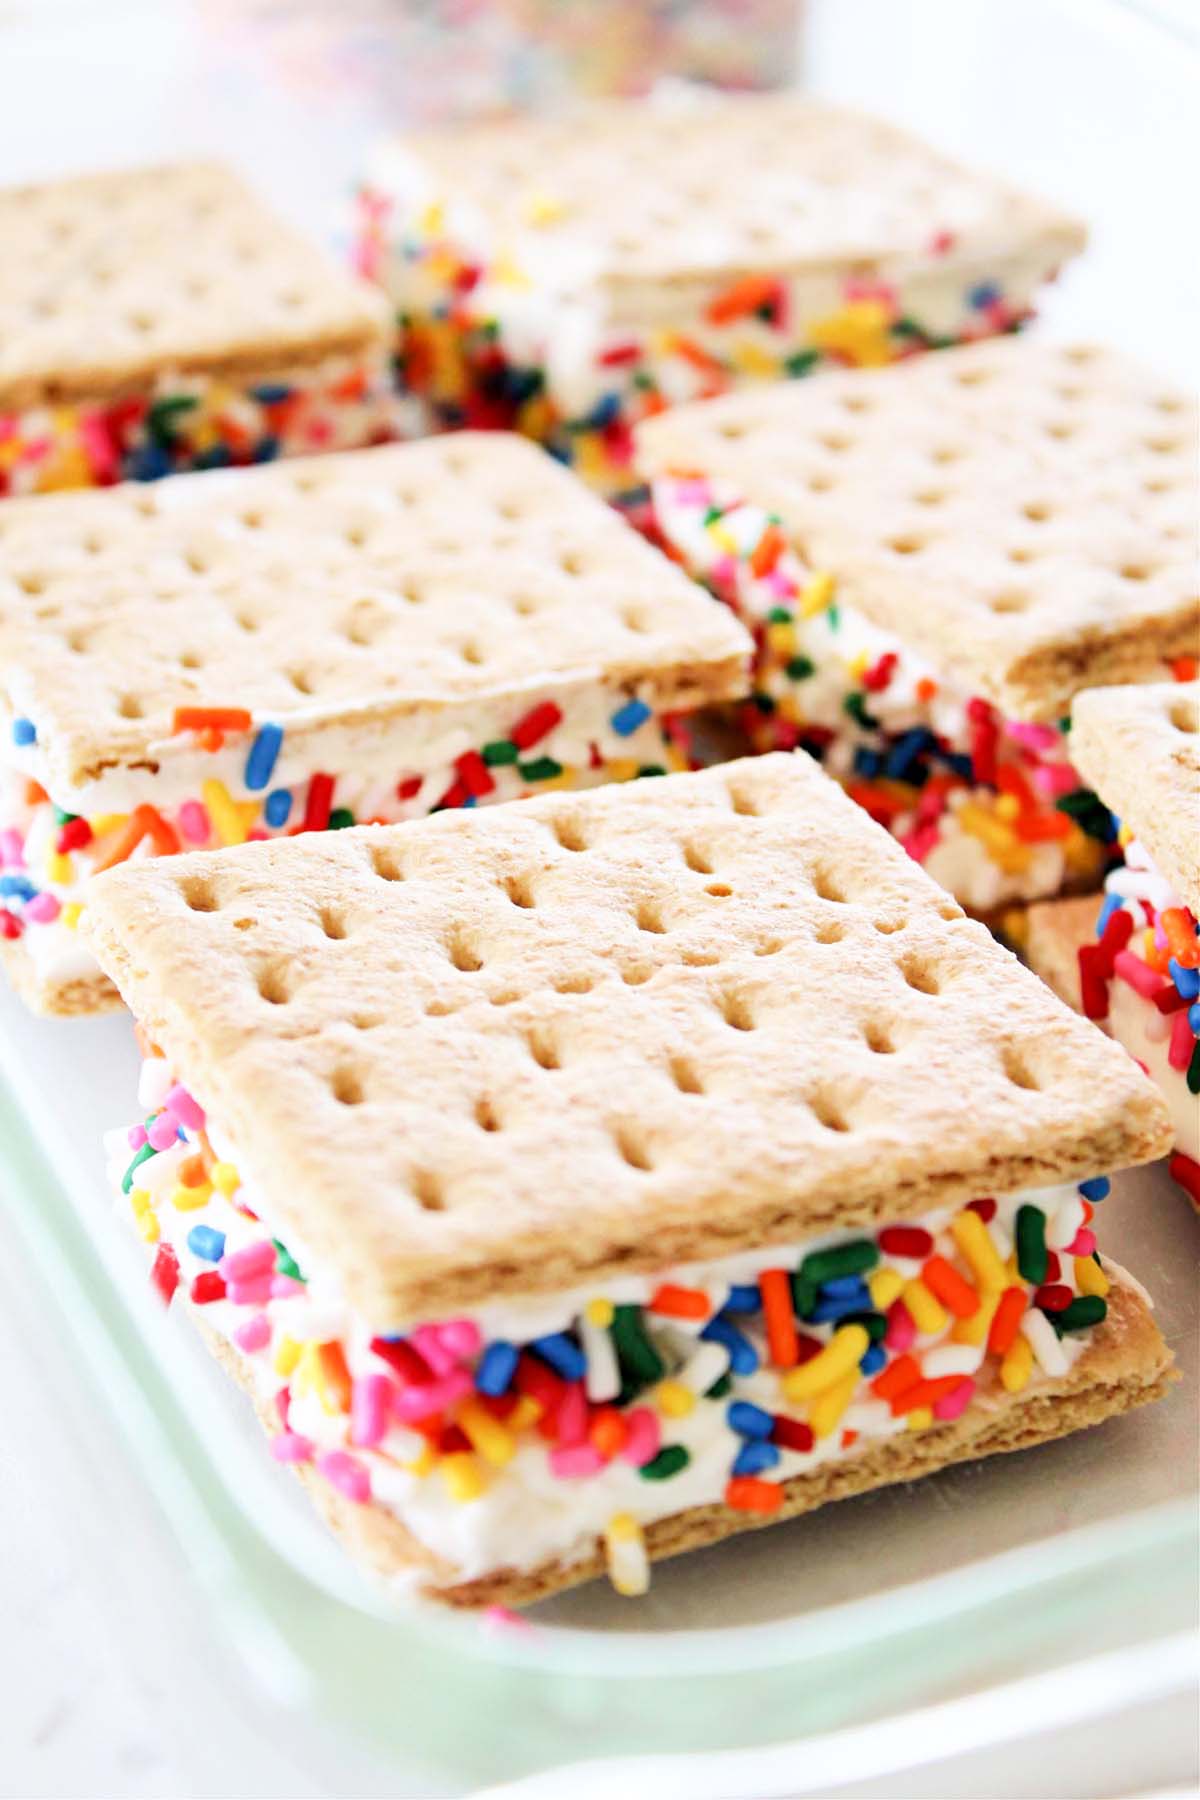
x=985, y=1208
x=1053, y=1296
x=536, y=724
x=906, y=1240
x=319, y=803
x=474, y=774
x=207, y=1286
x=792, y=1434
x=401, y=1356
x=164, y=1273
x=1186, y=1172
x=73, y=836
x=408, y=790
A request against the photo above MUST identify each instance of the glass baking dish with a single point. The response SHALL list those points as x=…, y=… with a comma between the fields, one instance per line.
x=857, y=1612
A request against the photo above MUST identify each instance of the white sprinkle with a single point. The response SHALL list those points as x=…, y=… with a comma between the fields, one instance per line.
x=1042, y=1339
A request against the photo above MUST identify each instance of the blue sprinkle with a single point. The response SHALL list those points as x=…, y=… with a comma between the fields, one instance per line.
x=743, y=1357
x=563, y=1354
x=1187, y=981
x=1112, y=904
x=603, y=413
x=1097, y=1189
x=744, y=1297
x=149, y=463
x=837, y=1307
x=749, y=1420
x=264, y=752
x=266, y=450
x=17, y=887
x=24, y=733
x=203, y=1241
x=627, y=718
x=905, y=751
x=986, y=293
x=753, y=1458
x=960, y=763
x=278, y=807
x=219, y=456
x=269, y=393
x=495, y=1368
x=867, y=763
x=838, y=1285
x=872, y=1359
x=1194, y=1017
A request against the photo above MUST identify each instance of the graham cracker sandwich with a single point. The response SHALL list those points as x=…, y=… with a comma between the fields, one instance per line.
x=934, y=561
x=574, y=1183
x=573, y=275
x=361, y=637
x=162, y=318
x=1131, y=962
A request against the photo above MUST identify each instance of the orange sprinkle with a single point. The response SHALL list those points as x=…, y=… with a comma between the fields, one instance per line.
x=191, y=1171
x=1184, y=668
x=211, y=718
x=768, y=550
x=680, y=1302
x=744, y=296
x=783, y=1346
x=144, y=1042
x=1006, y=1321
x=926, y=1393
x=699, y=359
x=1043, y=828
x=926, y=688
x=1181, y=936
x=749, y=1493
x=35, y=793
x=334, y=1373
x=900, y=1375
x=608, y=1431
x=849, y=1439
x=143, y=821
x=952, y=1289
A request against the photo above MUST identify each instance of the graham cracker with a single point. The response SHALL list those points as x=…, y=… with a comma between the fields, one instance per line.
x=368, y=587
x=109, y=280
x=1126, y=1364
x=1020, y=511
x=832, y=189
x=1055, y=930
x=73, y=998
x=1140, y=749
x=534, y=1046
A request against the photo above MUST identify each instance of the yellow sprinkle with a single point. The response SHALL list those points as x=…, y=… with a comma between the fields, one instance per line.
x=885, y=1286
x=1090, y=1277
x=507, y=273
x=494, y=1441
x=975, y=1329
x=1017, y=1366
x=928, y=1314
x=600, y=1312
x=974, y=1241
x=103, y=823
x=752, y=359
x=918, y=1418
x=677, y=762
x=858, y=666
x=424, y=1462
x=541, y=208
x=225, y=1178
x=526, y=1412
x=287, y=1355
x=781, y=639
x=70, y=914
x=462, y=1475
x=431, y=219
x=1011, y=1271
x=148, y=1227
x=622, y=768
x=191, y=1199
x=139, y=1199
x=842, y=1353
x=60, y=869
x=625, y=1554
x=674, y=1400
x=1008, y=807
x=565, y=780
x=817, y=595
x=223, y=812
x=723, y=538
x=305, y=1369
x=827, y=1409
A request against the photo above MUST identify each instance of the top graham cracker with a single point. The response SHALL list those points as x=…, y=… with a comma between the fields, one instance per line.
x=322, y=591
x=1021, y=512
x=1139, y=747
x=754, y=183
x=108, y=281
x=542, y=1044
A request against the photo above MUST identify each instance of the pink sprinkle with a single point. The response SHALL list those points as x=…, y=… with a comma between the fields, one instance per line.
x=460, y=1338
x=502, y=1618
x=289, y=1446
x=344, y=1472
x=283, y=1405
x=1034, y=737
x=194, y=822
x=571, y=1419
x=428, y=1340
x=98, y=446
x=1183, y=1039
x=578, y=1459
x=1054, y=779
x=901, y=1333
x=424, y=1398
x=43, y=909
x=1140, y=976
x=920, y=842
x=136, y=1136
x=12, y=850
x=283, y=1286
x=370, y=1396
x=780, y=584
x=1082, y=1244
x=180, y=1102
x=691, y=492
x=253, y=1259
x=254, y=1292
x=643, y=1436
x=253, y=1334
x=956, y=1401
x=162, y=1132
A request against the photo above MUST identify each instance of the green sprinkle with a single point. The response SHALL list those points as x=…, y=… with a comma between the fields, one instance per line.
x=1193, y=1069
x=804, y=1295
x=339, y=818
x=801, y=362
x=63, y=818
x=127, y=1179
x=502, y=751
x=712, y=514
x=906, y=327
x=763, y=703
x=542, y=768
x=834, y=616
x=285, y=1262
x=719, y=1388
x=652, y=769
x=1031, y=1244
x=856, y=705
x=854, y=1258
x=873, y=1323
x=1089, y=813
x=1083, y=1312
x=779, y=615
x=638, y=1359
x=162, y=416
x=668, y=1462
x=800, y=668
